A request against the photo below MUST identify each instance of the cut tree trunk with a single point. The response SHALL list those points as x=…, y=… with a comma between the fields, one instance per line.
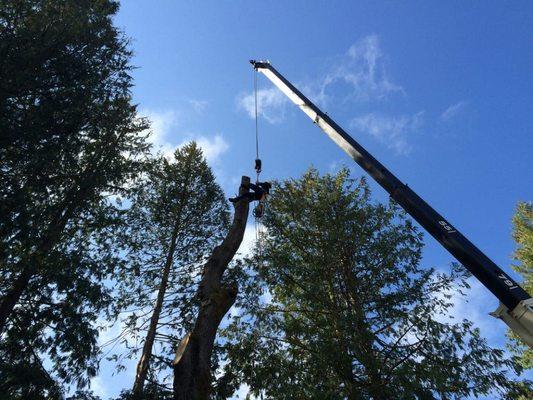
x=192, y=364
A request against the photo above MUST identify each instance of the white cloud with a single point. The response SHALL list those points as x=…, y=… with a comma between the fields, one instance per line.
x=198, y=106
x=108, y=332
x=242, y=392
x=166, y=137
x=212, y=147
x=249, y=240
x=391, y=131
x=98, y=386
x=475, y=307
x=453, y=110
x=270, y=104
x=110, y=381
x=161, y=123
x=361, y=71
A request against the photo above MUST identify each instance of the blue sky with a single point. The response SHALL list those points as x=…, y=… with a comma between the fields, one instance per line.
x=442, y=94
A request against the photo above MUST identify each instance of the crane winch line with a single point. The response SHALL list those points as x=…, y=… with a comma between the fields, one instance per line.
x=516, y=305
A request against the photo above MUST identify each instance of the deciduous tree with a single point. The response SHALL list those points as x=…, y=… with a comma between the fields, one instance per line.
x=523, y=236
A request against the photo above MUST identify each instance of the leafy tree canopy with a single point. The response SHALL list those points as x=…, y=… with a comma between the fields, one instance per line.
x=69, y=139
x=178, y=214
x=523, y=236
x=338, y=306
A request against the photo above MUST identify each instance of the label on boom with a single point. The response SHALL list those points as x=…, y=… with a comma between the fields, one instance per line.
x=447, y=227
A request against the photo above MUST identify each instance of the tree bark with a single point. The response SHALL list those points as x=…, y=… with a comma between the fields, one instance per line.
x=192, y=364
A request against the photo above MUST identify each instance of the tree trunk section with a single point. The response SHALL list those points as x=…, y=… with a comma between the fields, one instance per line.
x=192, y=364
x=13, y=295
x=144, y=361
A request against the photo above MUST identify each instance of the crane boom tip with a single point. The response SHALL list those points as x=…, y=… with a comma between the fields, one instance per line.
x=259, y=63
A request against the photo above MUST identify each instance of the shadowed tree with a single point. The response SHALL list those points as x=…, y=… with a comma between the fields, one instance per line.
x=338, y=307
x=69, y=138
x=217, y=292
x=523, y=236
x=177, y=216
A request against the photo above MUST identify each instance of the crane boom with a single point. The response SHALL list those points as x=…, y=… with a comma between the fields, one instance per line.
x=516, y=305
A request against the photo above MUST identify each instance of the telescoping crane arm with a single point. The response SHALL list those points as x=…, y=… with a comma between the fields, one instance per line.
x=516, y=306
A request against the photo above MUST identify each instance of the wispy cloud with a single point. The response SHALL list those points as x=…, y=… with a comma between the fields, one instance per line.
x=361, y=72
x=212, y=147
x=166, y=136
x=453, y=110
x=198, y=106
x=161, y=125
x=270, y=104
x=243, y=392
x=475, y=307
x=98, y=387
x=393, y=132
x=248, y=240
x=111, y=339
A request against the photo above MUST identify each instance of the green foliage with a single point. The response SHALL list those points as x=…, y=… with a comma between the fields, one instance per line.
x=70, y=138
x=83, y=395
x=177, y=200
x=337, y=306
x=523, y=236
x=152, y=391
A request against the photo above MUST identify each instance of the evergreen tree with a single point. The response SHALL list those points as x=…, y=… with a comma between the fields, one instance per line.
x=177, y=216
x=337, y=306
x=523, y=236
x=69, y=138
